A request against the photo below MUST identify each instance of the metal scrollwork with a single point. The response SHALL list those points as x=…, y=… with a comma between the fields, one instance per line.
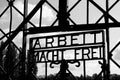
x=54, y=62
x=71, y=62
x=75, y=61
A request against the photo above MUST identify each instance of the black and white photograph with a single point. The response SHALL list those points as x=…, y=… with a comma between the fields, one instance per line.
x=59, y=39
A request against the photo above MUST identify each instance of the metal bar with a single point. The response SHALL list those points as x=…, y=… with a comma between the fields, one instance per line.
x=69, y=47
x=11, y=19
x=63, y=15
x=108, y=11
x=106, y=15
x=54, y=22
x=99, y=19
x=72, y=21
x=18, y=10
x=5, y=34
x=10, y=29
x=115, y=63
x=84, y=69
x=103, y=11
x=4, y=11
x=87, y=12
x=77, y=27
x=104, y=54
x=46, y=70
x=73, y=6
x=23, y=15
x=32, y=24
x=69, y=60
x=11, y=41
x=108, y=42
x=40, y=22
x=115, y=47
x=113, y=5
x=24, y=41
x=74, y=33
x=39, y=5
x=52, y=6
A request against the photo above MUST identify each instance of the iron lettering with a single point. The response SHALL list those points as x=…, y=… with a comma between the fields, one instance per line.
x=81, y=46
x=76, y=54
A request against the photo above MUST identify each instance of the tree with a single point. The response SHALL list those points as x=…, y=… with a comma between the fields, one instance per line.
x=94, y=76
x=1, y=63
x=32, y=63
x=88, y=78
x=10, y=60
x=35, y=70
x=81, y=77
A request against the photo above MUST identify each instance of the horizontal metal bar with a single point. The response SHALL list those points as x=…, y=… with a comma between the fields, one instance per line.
x=78, y=27
x=69, y=47
x=69, y=60
x=67, y=34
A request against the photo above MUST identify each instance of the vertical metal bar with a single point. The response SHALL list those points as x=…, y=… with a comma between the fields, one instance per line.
x=30, y=56
x=95, y=37
x=62, y=14
x=10, y=28
x=107, y=38
x=10, y=18
x=83, y=38
x=40, y=22
x=30, y=50
x=45, y=70
x=108, y=54
x=87, y=11
x=84, y=66
x=104, y=55
x=24, y=40
x=107, y=10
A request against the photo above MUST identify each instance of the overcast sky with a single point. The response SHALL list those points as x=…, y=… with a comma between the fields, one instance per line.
x=78, y=15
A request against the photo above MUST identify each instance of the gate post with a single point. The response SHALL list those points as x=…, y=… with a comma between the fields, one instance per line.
x=63, y=14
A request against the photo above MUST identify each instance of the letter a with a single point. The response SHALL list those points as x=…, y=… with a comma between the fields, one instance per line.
x=42, y=57
x=37, y=44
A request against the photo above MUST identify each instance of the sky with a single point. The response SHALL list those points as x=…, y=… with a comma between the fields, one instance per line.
x=49, y=15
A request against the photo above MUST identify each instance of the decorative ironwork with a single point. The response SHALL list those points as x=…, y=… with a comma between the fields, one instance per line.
x=58, y=44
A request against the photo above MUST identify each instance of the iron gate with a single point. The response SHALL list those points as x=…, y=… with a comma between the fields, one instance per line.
x=67, y=24
x=83, y=46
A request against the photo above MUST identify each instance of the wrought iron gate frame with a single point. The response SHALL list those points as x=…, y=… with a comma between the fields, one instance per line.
x=105, y=26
